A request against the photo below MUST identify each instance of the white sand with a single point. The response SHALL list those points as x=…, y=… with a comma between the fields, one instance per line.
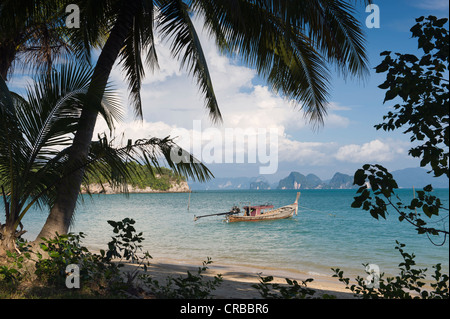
x=238, y=280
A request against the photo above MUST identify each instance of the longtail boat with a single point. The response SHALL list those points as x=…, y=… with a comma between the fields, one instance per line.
x=264, y=212
x=258, y=213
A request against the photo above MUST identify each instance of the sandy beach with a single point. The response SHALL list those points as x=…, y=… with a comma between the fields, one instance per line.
x=238, y=279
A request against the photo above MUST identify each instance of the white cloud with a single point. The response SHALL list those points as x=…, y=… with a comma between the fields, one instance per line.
x=373, y=151
x=305, y=153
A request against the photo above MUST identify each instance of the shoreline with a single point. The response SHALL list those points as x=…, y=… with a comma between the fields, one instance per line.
x=106, y=189
x=238, y=279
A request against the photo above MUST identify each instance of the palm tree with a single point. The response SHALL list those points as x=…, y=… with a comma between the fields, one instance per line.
x=290, y=43
x=36, y=137
x=33, y=35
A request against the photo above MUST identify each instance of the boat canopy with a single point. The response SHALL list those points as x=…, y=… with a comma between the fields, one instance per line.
x=256, y=210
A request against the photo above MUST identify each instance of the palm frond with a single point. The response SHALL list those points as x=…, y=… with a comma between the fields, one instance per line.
x=35, y=130
x=140, y=41
x=174, y=22
x=96, y=19
x=130, y=59
x=339, y=36
x=38, y=34
x=290, y=43
x=106, y=160
x=13, y=148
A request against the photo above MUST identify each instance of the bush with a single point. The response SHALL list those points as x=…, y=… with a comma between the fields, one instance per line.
x=100, y=274
x=126, y=245
x=293, y=290
x=409, y=284
x=189, y=287
x=96, y=271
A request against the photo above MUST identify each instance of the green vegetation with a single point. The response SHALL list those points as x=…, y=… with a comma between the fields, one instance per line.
x=420, y=83
x=409, y=284
x=189, y=287
x=293, y=289
x=41, y=273
x=160, y=179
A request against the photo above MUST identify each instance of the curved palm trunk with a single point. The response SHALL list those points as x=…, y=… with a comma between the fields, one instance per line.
x=68, y=189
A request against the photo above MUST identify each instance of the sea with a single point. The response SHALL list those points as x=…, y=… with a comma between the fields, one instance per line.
x=327, y=233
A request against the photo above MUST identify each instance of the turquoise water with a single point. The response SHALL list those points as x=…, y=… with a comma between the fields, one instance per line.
x=327, y=233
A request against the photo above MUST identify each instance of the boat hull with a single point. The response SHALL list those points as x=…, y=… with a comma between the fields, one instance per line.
x=279, y=213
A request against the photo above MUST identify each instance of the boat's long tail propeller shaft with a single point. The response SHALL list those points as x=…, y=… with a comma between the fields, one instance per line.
x=235, y=210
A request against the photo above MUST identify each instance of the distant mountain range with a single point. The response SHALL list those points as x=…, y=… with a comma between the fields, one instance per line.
x=232, y=183
x=295, y=180
x=406, y=178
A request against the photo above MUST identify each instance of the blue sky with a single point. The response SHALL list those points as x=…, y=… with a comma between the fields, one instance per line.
x=346, y=141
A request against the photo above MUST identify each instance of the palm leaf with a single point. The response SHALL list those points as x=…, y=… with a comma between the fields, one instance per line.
x=174, y=23
x=289, y=43
x=106, y=160
x=36, y=29
x=34, y=131
x=13, y=148
x=140, y=39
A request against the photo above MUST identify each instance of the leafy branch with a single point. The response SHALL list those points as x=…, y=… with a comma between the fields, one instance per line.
x=383, y=186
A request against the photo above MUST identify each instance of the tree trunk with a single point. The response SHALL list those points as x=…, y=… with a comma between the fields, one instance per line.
x=8, y=237
x=7, y=54
x=61, y=214
x=7, y=243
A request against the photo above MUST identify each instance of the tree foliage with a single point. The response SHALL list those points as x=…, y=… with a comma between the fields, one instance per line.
x=421, y=83
x=160, y=178
x=382, y=195
x=409, y=284
x=34, y=37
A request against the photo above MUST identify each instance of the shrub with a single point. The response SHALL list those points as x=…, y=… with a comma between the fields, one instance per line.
x=293, y=290
x=189, y=287
x=126, y=245
x=409, y=284
x=95, y=270
x=99, y=273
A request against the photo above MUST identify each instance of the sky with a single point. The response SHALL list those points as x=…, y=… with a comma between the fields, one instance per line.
x=280, y=139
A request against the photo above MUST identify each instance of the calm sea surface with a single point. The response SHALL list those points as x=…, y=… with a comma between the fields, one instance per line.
x=327, y=233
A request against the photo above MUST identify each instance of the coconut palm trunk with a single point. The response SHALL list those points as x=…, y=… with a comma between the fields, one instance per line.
x=61, y=214
x=7, y=52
